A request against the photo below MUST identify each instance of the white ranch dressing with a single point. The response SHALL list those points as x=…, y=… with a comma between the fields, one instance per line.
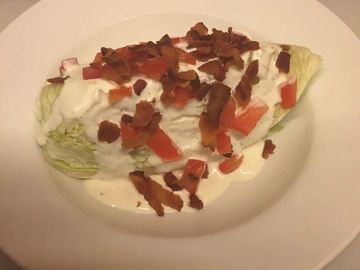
x=87, y=101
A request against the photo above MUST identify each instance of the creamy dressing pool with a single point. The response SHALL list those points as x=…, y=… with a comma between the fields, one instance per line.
x=87, y=101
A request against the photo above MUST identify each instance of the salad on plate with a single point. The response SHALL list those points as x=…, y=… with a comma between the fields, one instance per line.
x=168, y=125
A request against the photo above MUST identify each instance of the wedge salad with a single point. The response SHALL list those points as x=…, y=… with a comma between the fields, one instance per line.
x=167, y=125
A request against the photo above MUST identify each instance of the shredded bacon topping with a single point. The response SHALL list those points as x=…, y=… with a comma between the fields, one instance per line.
x=108, y=132
x=171, y=181
x=219, y=95
x=283, y=62
x=269, y=148
x=154, y=193
x=244, y=88
x=60, y=80
x=139, y=86
x=137, y=130
x=195, y=202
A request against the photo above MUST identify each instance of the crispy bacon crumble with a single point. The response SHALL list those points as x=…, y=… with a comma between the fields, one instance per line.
x=269, y=148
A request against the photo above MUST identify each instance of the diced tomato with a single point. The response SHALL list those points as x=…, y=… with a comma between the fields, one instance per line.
x=223, y=143
x=181, y=97
x=127, y=132
x=154, y=68
x=119, y=93
x=195, y=167
x=190, y=184
x=231, y=164
x=186, y=57
x=163, y=146
x=176, y=40
x=288, y=93
x=227, y=116
x=98, y=58
x=90, y=73
x=69, y=62
x=247, y=120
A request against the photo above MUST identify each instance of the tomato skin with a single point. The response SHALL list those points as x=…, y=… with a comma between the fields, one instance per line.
x=231, y=164
x=247, y=120
x=195, y=167
x=223, y=143
x=119, y=93
x=181, y=97
x=288, y=93
x=185, y=57
x=227, y=116
x=153, y=68
x=90, y=73
x=163, y=146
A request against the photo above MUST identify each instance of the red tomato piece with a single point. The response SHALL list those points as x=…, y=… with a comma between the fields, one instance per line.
x=181, y=97
x=90, y=73
x=154, y=68
x=163, y=146
x=195, y=167
x=227, y=116
x=247, y=120
x=119, y=93
x=186, y=57
x=127, y=132
x=288, y=93
x=231, y=164
x=223, y=143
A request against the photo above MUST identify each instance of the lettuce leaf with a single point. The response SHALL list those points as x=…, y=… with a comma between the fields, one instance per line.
x=303, y=65
x=46, y=100
x=69, y=149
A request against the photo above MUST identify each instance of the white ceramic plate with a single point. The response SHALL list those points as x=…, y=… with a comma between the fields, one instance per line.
x=300, y=211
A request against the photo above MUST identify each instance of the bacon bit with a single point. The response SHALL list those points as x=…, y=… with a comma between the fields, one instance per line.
x=188, y=75
x=118, y=94
x=143, y=114
x=200, y=28
x=269, y=148
x=230, y=165
x=228, y=114
x=224, y=49
x=206, y=172
x=248, y=46
x=138, y=204
x=195, y=202
x=200, y=92
x=214, y=68
x=171, y=56
x=176, y=40
x=108, y=132
x=165, y=40
x=139, y=86
x=154, y=193
x=203, y=53
x=143, y=186
x=127, y=118
x=218, y=97
x=60, y=80
x=208, y=135
x=171, y=181
x=167, y=96
x=283, y=62
x=166, y=197
x=244, y=88
x=117, y=73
